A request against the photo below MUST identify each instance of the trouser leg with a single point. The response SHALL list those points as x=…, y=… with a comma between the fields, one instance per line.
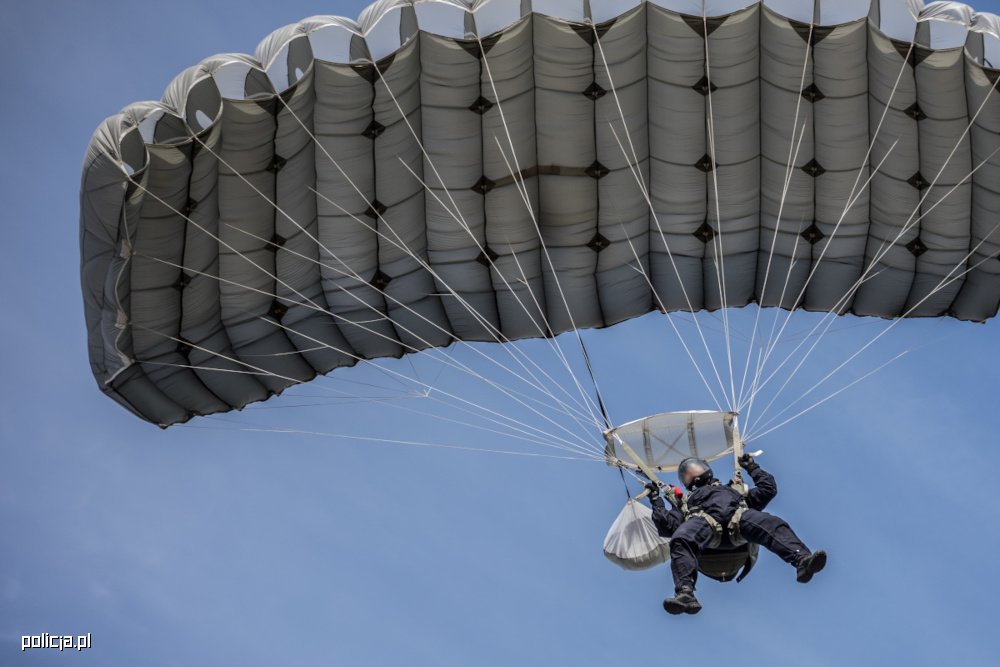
x=774, y=534
x=685, y=545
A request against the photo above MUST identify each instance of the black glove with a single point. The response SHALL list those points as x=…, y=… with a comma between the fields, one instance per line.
x=655, y=499
x=747, y=463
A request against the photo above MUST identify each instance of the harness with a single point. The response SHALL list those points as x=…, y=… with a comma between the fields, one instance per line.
x=732, y=529
x=736, y=561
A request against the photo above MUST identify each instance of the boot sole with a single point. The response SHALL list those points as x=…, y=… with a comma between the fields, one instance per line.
x=817, y=564
x=676, y=608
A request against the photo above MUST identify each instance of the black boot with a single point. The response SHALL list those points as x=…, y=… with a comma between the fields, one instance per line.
x=683, y=602
x=809, y=566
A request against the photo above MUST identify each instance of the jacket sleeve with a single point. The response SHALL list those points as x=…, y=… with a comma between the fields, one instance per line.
x=764, y=488
x=666, y=520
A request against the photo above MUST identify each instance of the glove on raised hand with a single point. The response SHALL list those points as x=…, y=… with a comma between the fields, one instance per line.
x=747, y=463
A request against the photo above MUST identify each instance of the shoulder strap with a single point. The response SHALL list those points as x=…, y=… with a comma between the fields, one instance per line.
x=739, y=487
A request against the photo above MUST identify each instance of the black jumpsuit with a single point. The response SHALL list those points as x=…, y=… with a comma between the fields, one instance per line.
x=688, y=538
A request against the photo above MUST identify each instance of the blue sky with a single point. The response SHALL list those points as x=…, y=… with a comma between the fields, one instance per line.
x=195, y=546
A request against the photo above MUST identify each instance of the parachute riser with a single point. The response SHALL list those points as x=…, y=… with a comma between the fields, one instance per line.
x=738, y=451
x=646, y=470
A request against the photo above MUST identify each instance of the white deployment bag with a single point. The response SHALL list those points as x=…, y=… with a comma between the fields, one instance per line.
x=632, y=541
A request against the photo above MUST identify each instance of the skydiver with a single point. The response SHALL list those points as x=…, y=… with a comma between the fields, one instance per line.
x=689, y=525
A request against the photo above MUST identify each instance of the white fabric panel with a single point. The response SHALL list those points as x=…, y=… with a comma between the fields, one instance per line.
x=107, y=203
x=980, y=295
x=678, y=191
x=509, y=142
x=350, y=245
x=297, y=254
x=946, y=161
x=455, y=213
x=201, y=322
x=840, y=74
x=565, y=119
x=733, y=186
x=623, y=214
x=412, y=305
x=220, y=280
x=896, y=153
x=155, y=304
x=246, y=260
x=788, y=143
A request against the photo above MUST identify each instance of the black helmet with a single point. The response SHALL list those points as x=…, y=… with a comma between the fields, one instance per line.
x=694, y=472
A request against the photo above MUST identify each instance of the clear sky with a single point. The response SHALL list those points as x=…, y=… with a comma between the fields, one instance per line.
x=225, y=547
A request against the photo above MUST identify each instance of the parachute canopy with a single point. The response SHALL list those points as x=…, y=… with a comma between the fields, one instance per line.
x=442, y=170
x=664, y=440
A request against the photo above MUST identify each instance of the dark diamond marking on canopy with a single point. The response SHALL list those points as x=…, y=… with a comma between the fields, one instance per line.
x=370, y=72
x=705, y=232
x=812, y=36
x=917, y=247
x=373, y=130
x=183, y=346
x=277, y=162
x=270, y=105
x=813, y=168
x=918, y=181
x=704, y=26
x=375, y=209
x=705, y=86
x=586, y=32
x=914, y=56
x=471, y=46
x=812, y=93
x=189, y=207
x=812, y=234
x=131, y=187
x=596, y=170
x=274, y=105
x=483, y=185
x=598, y=243
x=380, y=280
x=594, y=91
x=705, y=164
x=182, y=281
x=487, y=256
x=277, y=310
x=915, y=112
x=277, y=240
x=481, y=105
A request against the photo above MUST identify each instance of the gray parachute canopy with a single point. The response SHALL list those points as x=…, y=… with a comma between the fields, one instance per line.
x=441, y=170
